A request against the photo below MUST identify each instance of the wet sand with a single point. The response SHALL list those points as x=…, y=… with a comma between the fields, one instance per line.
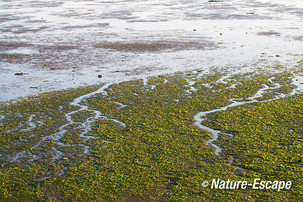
x=67, y=44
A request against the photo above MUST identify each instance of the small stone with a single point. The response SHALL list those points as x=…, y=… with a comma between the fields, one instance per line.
x=19, y=74
x=99, y=76
x=220, y=33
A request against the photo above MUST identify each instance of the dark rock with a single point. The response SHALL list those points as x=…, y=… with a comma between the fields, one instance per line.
x=99, y=76
x=19, y=74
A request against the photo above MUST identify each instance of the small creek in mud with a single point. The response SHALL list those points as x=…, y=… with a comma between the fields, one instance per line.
x=200, y=117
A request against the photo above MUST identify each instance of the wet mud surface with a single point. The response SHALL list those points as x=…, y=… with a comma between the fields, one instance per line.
x=64, y=44
x=156, y=46
x=222, y=54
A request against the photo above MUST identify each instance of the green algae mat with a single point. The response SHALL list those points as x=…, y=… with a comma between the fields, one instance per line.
x=180, y=137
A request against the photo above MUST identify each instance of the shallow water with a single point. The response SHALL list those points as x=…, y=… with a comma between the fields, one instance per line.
x=56, y=43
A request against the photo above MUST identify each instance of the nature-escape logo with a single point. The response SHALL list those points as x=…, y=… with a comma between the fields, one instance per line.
x=257, y=184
